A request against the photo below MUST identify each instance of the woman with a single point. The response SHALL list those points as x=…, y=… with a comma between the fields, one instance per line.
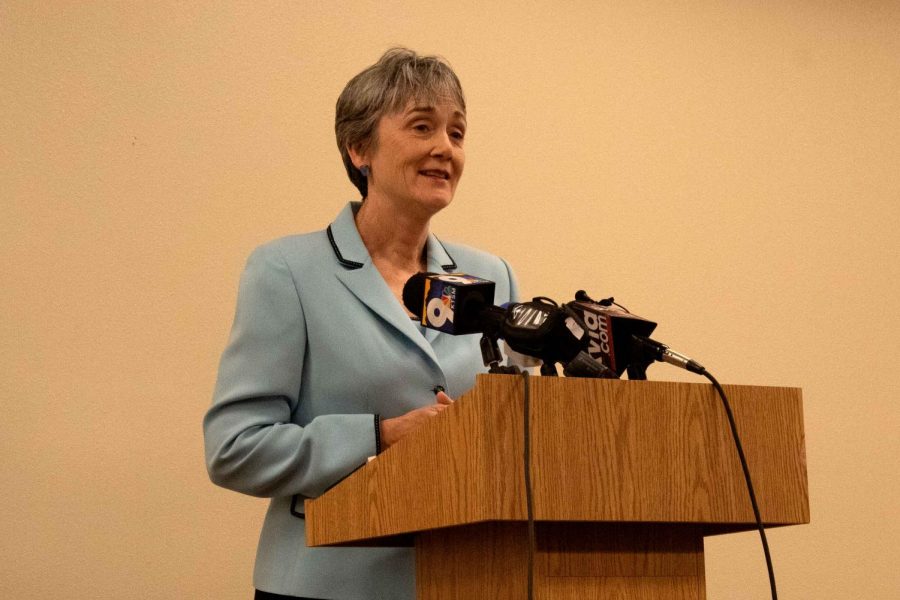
x=324, y=366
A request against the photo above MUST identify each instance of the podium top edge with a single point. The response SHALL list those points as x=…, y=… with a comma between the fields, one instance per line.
x=651, y=382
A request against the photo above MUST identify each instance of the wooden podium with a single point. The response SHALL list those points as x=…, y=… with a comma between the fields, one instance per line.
x=627, y=478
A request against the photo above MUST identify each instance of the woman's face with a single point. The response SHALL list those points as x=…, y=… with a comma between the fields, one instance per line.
x=418, y=157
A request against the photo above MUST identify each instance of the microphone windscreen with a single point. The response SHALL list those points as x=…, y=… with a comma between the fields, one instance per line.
x=414, y=294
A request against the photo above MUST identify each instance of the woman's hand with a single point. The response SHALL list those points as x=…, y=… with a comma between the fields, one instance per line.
x=394, y=429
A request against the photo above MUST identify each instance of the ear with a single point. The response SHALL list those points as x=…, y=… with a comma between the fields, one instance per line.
x=357, y=157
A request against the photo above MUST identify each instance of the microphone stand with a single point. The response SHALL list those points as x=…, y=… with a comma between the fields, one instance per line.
x=641, y=358
x=490, y=354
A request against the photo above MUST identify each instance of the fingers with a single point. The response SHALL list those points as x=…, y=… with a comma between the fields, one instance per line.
x=443, y=399
x=395, y=428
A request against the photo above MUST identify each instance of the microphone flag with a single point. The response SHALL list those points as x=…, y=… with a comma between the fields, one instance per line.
x=451, y=303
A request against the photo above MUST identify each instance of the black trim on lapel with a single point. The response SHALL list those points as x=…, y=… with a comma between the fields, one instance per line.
x=452, y=266
x=350, y=264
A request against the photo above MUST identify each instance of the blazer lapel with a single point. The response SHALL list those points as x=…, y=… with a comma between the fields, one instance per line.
x=362, y=279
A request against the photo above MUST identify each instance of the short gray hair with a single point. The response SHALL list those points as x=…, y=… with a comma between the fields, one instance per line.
x=399, y=76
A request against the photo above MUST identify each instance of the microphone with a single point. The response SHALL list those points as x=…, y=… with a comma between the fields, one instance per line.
x=460, y=304
x=452, y=302
x=663, y=353
x=610, y=333
x=543, y=329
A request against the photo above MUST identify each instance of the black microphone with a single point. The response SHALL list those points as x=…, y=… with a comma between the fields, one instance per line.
x=610, y=333
x=543, y=329
x=449, y=302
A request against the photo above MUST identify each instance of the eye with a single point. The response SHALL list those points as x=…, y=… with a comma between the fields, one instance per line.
x=458, y=134
x=421, y=127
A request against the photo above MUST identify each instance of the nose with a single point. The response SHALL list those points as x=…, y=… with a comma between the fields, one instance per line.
x=443, y=147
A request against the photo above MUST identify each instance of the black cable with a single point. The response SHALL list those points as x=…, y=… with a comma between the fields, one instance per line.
x=528, y=491
x=740, y=451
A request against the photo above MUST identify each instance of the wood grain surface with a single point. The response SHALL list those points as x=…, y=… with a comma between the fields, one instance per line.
x=608, y=451
x=572, y=561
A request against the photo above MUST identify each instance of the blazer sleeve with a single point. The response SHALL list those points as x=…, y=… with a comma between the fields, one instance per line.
x=513, y=283
x=252, y=445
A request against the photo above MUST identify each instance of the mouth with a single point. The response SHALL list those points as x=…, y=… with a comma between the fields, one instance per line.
x=436, y=174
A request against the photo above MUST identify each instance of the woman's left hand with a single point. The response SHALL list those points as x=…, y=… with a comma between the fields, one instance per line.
x=394, y=429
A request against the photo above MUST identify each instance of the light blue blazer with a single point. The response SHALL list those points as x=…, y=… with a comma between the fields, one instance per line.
x=318, y=346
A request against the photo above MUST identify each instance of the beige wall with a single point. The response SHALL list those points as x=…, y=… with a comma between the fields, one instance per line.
x=729, y=169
